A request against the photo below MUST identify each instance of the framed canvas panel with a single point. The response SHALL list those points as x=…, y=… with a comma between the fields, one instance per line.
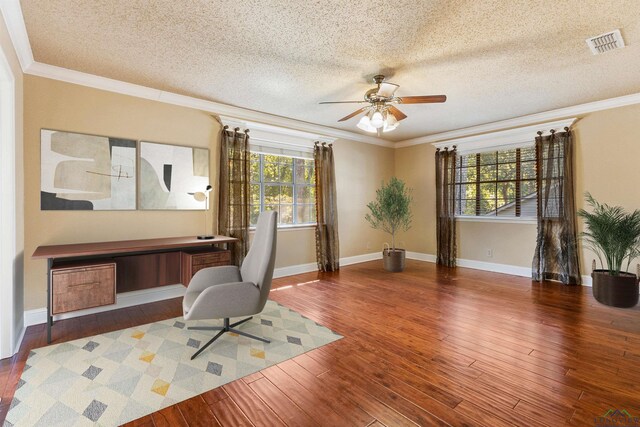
x=86, y=172
x=171, y=175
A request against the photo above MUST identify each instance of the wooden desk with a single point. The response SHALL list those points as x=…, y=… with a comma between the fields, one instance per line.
x=159, y=261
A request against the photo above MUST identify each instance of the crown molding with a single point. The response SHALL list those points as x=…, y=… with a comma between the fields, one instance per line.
x=531, y=119
x=277, y=137
x=12, y=14
x=505, y=139
x=240, y=114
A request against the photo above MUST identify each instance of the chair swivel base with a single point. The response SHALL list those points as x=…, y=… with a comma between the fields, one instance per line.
x=226, y=328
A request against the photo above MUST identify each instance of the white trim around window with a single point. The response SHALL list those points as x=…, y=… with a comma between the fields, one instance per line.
x=505, y=139
x=277, y=140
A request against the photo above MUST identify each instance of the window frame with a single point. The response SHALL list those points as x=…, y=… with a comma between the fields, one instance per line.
x=517, y=217
x=293, y=186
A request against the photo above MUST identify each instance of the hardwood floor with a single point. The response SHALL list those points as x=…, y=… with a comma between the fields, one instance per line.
x=429, y=346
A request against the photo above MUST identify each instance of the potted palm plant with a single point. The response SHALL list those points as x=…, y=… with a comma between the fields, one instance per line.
x=614, y=236
x=390, y=212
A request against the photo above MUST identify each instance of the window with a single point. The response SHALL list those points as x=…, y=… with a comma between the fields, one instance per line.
x=283, y=184
x=497, y=183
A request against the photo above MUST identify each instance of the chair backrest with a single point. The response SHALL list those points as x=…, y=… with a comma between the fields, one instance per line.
x=257, y=266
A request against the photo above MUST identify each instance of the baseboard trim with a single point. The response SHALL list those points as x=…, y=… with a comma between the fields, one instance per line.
x=357, y=259
x=294, y=269
x=420, y=256
x=128, y=299
x=312, y=266
x=495, y=267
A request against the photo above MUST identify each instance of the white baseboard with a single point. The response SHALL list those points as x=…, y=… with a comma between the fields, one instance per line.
x=494, y=267
x=295, y=269
x=127, y=299
x=312, y=266
x=477, y=265
x=357, y=259
x=418, y=256
x=488, y=266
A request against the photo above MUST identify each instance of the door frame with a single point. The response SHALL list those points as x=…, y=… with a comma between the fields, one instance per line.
x=8, y=256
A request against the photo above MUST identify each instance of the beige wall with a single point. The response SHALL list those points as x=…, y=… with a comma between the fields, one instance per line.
x=360, y=169
x=7, y=48
x=415, y=165
x=63, y=106
x=607, y=154
x=608, y=162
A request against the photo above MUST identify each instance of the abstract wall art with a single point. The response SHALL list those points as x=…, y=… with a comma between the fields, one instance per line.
x=86, y=172
x=170, y=175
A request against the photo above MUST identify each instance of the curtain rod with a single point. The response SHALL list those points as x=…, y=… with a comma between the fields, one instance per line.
x=323, y=143
x=453, y=148
x=225, y=127
x=552, y=131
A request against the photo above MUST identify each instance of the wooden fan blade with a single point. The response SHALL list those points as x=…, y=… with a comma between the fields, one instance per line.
x=355, y=113
x=422, y=99
x=387, y=90
x=343, y=102
x=399, y=115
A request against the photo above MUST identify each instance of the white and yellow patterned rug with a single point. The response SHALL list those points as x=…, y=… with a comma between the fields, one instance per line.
x=114, y=378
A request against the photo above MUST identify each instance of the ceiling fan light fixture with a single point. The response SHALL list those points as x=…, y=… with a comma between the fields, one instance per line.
x=365, y=124
x=390, y=123
x=377, y=120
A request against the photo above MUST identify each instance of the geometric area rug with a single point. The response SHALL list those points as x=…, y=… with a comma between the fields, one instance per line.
x=114, y=378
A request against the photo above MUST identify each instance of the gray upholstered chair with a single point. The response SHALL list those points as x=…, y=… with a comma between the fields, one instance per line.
x=229, y=291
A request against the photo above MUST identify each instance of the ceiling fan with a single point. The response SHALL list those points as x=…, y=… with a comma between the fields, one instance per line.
x=381, y=115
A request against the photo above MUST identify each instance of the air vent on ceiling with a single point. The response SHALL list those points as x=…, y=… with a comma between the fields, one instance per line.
x=605, y=42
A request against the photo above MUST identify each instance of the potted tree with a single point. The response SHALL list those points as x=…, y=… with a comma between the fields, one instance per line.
x=614, y=236
x=390, y=212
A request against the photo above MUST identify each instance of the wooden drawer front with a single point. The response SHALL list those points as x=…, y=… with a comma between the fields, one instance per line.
x=210, y=259
x=83, y=287
x=193, y=261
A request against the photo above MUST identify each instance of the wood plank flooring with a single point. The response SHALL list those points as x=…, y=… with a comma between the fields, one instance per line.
x=429, y=346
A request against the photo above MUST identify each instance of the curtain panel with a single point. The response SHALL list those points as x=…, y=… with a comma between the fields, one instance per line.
x=445, y=207
x=233, y=211
x=327, y=241
x=556, y=255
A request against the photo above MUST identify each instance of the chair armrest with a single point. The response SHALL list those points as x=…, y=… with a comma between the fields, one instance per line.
x=212, y=276
x=225, y=300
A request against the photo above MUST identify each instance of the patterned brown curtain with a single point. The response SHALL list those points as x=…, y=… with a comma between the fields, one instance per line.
x=445, y=206
x=327, y=242
x=556, y=256
x=233, y=211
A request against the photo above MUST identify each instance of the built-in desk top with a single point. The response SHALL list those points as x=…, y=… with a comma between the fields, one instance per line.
x=125, y=246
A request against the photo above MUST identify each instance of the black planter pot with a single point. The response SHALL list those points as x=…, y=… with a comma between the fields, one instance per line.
x=615, y=291
x=393, y=260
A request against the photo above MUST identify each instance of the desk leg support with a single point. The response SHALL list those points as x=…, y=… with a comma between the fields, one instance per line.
x=49, y=296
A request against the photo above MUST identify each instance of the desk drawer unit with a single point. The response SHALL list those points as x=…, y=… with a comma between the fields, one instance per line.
x=82, y=286
x=195, y=260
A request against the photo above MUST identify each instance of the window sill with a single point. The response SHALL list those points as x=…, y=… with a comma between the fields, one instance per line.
x=296, y=227
x=503, y=220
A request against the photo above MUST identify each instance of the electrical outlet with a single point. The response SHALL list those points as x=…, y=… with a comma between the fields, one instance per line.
x=489, y=253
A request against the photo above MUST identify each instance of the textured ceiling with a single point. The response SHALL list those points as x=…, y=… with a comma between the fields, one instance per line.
x=493, y=59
